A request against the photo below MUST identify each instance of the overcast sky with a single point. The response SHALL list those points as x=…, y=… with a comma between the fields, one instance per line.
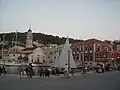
x=81, y=19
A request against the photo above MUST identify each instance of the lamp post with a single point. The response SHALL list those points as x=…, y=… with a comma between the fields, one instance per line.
x=113, y=62
x=118, y=59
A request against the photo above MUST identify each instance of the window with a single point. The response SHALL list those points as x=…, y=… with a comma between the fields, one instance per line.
x=38, y=60
x=51, y=53
x=81, y=48
x=81, y=57
x=97, y=54
x=77, y=49
x=90, y=48
x=32, y=60
x=110, y=49
x=86, y=48
x=86, y=58
x=91, y=59
x=43, y=61
x=98, y=48
x=73, y=49
x=77, y=57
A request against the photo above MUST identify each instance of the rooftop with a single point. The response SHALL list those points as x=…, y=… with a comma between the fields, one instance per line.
x=92, y=41
x=10, y=52
x=32, y=48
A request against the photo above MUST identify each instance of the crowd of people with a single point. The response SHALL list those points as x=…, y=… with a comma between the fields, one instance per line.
x=39, y=71
x=99, y=68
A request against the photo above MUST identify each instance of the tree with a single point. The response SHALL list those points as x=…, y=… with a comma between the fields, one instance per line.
x=43, y=38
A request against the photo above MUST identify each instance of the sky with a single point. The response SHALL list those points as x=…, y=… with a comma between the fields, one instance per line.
x=79, y=19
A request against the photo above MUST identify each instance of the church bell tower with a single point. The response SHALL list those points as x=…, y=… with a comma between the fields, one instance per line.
x=29, y=38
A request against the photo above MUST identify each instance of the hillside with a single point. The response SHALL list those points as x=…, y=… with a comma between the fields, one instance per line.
x=40, y=37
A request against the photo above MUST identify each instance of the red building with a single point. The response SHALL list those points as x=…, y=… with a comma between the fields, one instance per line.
x=9, y=55
x=116, y=56
x=92, y=50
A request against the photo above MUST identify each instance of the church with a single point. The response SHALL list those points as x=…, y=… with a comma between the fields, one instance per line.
x=34, y=54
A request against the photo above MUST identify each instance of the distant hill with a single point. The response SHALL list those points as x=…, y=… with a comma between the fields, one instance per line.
x=40, y=37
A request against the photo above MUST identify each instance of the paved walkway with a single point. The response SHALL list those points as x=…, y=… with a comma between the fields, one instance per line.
x=102, y=81
x=53, y=76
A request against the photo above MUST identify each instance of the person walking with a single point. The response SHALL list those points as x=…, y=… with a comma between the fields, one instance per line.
x=37, y=71
x=66, y=72
x=50, y=70
x=0, y=70
x=3, y=70
x=29, y=71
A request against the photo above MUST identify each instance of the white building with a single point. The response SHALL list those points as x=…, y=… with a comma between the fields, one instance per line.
x=35, y=54
x=19, y=48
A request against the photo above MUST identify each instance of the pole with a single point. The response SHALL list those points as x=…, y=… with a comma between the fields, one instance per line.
x=16, y=38
x=21, y=68
x=12, y=42
x=3, y=49
x=15, y=45
x=68, y=63
x=83, y=57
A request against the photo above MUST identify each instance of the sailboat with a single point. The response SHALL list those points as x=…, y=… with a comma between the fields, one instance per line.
x=65, y=57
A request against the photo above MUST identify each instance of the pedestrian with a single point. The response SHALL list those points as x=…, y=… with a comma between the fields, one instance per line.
x=84, y=70
x=72, y=72
x=37, y=71
x=66, y=72
x=50, y=71
x=3, y=70
x=0, y=70
x=47, y=73
x=41, y=72
x=29, y=71
x=57, y=71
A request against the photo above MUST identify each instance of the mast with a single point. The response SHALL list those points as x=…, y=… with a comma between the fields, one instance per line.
x=12, y=42
x=16, y=38
x=15, y=44
x=68, y=61
x=12, y=46
x=3, y=49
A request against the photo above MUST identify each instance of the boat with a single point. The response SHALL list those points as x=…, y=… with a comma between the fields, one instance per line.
x=65, y=57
